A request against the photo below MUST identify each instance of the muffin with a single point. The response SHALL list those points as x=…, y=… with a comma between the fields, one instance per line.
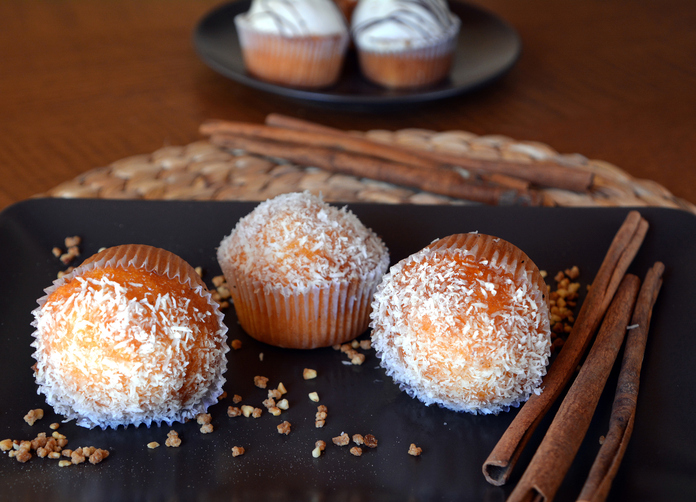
x=296, y=43
x=404, y=44
x=302, y=272
x=131, y=336
x=464, y=324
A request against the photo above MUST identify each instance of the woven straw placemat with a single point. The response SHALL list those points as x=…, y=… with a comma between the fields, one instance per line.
x=202, y=171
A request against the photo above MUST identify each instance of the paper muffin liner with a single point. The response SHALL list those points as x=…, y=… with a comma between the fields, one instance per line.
x=148, y=259
x=496, y=254
x=411, y=67
x=303, y=61
x=319, y=316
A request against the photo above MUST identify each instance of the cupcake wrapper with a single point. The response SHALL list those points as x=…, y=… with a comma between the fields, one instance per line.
x=406, y=68
x=317, y=317
x=498, y=253
x=160, y=262
x=309, y=61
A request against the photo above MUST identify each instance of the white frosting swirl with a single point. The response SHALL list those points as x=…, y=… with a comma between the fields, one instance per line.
x=295, y=17
x=402, y=24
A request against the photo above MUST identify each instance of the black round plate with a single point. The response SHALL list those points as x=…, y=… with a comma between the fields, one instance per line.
x=487, y=48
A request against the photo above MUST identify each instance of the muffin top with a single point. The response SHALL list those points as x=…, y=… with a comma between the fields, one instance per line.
x=402, y=24
x=298, y=241
x=294, y=18
x=463, y=328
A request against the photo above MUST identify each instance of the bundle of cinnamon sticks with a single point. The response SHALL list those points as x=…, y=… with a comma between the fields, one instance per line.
x=616, y=304
x=495, y=182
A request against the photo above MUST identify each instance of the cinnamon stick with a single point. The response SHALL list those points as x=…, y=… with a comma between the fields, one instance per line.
x=499, y=464
x=542, y=173
x=443, y=182
x=551, y=462
x=623, y=411
x=341, y=142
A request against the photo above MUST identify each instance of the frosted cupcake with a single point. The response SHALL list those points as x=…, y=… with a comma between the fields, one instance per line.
x=404, y=43
x=297, y=43
x=301, y=272
x=131, y=336
x=464, y=324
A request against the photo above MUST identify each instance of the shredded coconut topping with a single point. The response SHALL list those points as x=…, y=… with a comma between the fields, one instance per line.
x=468, y=333
x=297, y=241
x=118, y=346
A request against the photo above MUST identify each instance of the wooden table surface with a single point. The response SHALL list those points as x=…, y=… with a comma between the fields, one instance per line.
x=86, y=82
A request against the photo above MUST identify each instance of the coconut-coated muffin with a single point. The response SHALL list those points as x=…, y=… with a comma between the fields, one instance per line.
x=131, y=336
x=464, y=324
x=302, y=272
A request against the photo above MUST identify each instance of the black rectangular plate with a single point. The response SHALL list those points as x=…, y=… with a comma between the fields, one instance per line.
x=659, y=465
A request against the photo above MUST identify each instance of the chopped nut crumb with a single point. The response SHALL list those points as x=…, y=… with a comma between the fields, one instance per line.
x=313, y=396
x=319, y=423
x=309, y=374
x=357, y=359
x=222, y=396
x=321, y=444
x=199, y=271
x=173, y=439
x=54, y=455
x=281, y=388
x=269, y=403
x=284, y=428
x=601, y=439
x=54, y=426
x=6, y=445
x=260, y=381
x=33, y=416
x=356, y=450
x=57, y=252
x=152, y=445
x=274, y=394
x=233, y=411
x=247, y=410
x=64, y=463
x=366, y=344
x=256, y=412
x=414, y=450
x=236, y=399
x=355, y=344
x=316, y=452
x=237, y=451
x=23, y=456
x=341, y=440
x=207, y=428
x=78, y=457
x=260, y=356
x=283, y=404
x=358, y=439
x=218, y=280
x=75, y=240
x=275, y=411
x=97, y=456
x=370, y=441
x=236, y=344
x=203, y=418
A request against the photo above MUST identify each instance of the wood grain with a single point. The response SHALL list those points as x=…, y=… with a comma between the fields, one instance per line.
x=84, y=83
